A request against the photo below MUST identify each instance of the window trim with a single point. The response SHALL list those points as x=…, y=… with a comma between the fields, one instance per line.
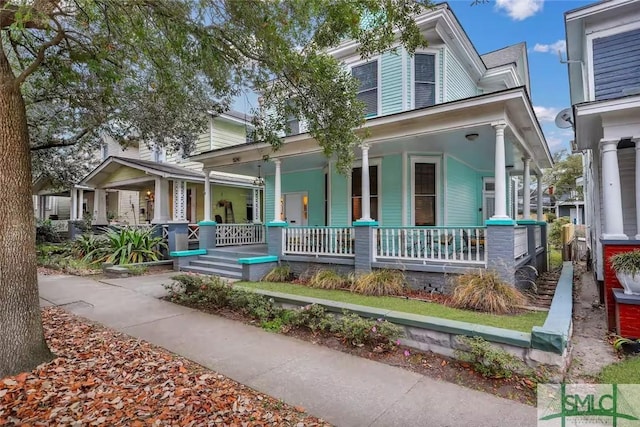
x=360, y=62
x=438, y=162
x=412, y=78
x=373, y=161
x=598, y=34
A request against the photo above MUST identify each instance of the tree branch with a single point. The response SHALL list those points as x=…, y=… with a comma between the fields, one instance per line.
x=39, y=58
x=62, y=143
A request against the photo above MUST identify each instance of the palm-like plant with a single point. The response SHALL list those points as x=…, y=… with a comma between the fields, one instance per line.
x=130, y=246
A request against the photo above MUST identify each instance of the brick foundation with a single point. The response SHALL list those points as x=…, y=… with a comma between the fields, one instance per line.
x=610, y=279
x=627, y=314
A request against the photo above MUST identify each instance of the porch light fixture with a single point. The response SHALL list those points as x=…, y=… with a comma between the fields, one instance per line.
x=149, y=195
x=471, y=136
x=258, y=182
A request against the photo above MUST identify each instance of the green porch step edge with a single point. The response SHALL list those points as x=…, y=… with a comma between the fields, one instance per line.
x=193, y=252
x=456, y=327
x=258, y=259
x=207, y=223
x=553, y=336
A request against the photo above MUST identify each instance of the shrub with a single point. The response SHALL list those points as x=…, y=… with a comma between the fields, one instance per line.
x=551, y=217
x=312, y=316
x=45, y=232
x=328, y=279
x=555, y=231
x=626, y=262
x=281, y=273
x=486, y=291
x=130, y=246
x=137, y=270
x=90, y=244
x=489, y=360
x=379, y=283
x=360, y=331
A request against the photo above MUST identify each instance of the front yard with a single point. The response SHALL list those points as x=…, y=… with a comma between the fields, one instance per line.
x=519, y=322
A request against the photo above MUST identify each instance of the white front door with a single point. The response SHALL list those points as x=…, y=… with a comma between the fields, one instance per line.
x=294, y=209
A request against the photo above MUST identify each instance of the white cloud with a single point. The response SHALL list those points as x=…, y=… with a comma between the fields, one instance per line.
x=519, y=10
x=552, y=48
x=546, y=114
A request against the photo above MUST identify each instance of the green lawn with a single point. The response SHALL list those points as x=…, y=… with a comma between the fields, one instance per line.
x=521, y=322
x=624, y=372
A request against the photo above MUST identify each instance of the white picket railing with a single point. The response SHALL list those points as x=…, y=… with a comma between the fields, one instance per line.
x=239, y=234
x=537, y=233
x=319, y=241
x=520, y=242
x=432, y=244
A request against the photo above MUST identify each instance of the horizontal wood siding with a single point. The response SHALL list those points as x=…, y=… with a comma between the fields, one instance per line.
x=391, y=196
x=310, y=182
x=144, y=152
x=236, y=195
x=227, y=134
x=339, y=199
x=459, y=84
x=626, y=165
x=616, y=65
x=462, y=194
x=391, y=70
x=128, y=205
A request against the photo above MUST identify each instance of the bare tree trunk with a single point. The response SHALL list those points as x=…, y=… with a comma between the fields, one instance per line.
x=22, y=344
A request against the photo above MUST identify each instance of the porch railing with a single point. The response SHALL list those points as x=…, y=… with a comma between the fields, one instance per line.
x=319, y=241
x=537, y=233
x=239, y=234
x=520, y=242
x=437, y=244
x=193, y=232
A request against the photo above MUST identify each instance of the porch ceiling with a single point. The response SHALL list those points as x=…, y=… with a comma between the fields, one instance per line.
x=610, y=119
x=438, y=129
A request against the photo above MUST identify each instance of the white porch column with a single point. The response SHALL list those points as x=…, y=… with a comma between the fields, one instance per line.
x=207, y=195
x=100, y=207
x=74, y=204
x=366, y=197
x=539, y=199
x=80, y=214
x=179, y=201
x=500, y=173
x=161, y=202
x=277, y=207
x=526, y=191
x=42, y=207
x=611, y=191
x=637, y=142
x=256, y=206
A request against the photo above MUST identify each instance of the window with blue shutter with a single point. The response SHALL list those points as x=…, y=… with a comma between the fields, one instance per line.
x=368, y=91
x=425, y=80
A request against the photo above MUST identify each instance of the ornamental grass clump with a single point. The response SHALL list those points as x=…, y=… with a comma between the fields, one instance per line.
x=379, y=283
x=281, y=273
x=486, y=291
x=328, y=279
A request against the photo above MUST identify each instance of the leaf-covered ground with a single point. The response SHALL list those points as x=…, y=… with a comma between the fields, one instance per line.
x=102, y=377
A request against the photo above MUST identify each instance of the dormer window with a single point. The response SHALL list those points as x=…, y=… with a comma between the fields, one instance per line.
x=425, y=80
x=159, y=154
x=368, y=90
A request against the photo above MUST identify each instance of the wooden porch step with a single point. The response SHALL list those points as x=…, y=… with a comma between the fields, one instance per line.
x=212, y=272
x=216, y=258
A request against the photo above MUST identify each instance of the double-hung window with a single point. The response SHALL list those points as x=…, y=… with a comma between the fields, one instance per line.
x=424, y=80
x=356, y=192
x=368, y=90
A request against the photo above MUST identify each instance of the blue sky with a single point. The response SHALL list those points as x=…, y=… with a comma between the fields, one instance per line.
x=500, y=23
x=540, y=24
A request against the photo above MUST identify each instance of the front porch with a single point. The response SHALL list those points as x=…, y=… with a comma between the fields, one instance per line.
x=432, y=190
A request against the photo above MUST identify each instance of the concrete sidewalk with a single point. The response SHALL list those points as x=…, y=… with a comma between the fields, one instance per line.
x=343, y=389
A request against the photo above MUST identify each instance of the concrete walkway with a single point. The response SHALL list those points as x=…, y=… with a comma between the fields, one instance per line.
x=343, y=389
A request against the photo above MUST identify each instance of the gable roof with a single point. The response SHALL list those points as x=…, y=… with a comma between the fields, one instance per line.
x=504, y=56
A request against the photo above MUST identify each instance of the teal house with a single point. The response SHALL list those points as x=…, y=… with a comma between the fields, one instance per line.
x=434, y=189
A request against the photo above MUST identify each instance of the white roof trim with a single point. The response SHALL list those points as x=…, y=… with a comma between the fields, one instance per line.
x=595, y=8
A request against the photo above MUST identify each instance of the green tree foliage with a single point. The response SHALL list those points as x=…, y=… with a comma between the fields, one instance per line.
x=562, y=176
x=147, y=71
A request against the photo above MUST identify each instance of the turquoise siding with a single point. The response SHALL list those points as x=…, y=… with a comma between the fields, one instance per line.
x=459, y=84
x=391, y=75
x=339, y=199
x=462, y=193
x=392, y=190
x=311, y=182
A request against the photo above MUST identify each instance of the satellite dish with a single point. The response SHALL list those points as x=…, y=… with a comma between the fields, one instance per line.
x=564, y=119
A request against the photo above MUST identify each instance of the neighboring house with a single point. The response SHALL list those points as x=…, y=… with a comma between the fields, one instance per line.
x=603, y=50
x=447, y=130
x=159, y=187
